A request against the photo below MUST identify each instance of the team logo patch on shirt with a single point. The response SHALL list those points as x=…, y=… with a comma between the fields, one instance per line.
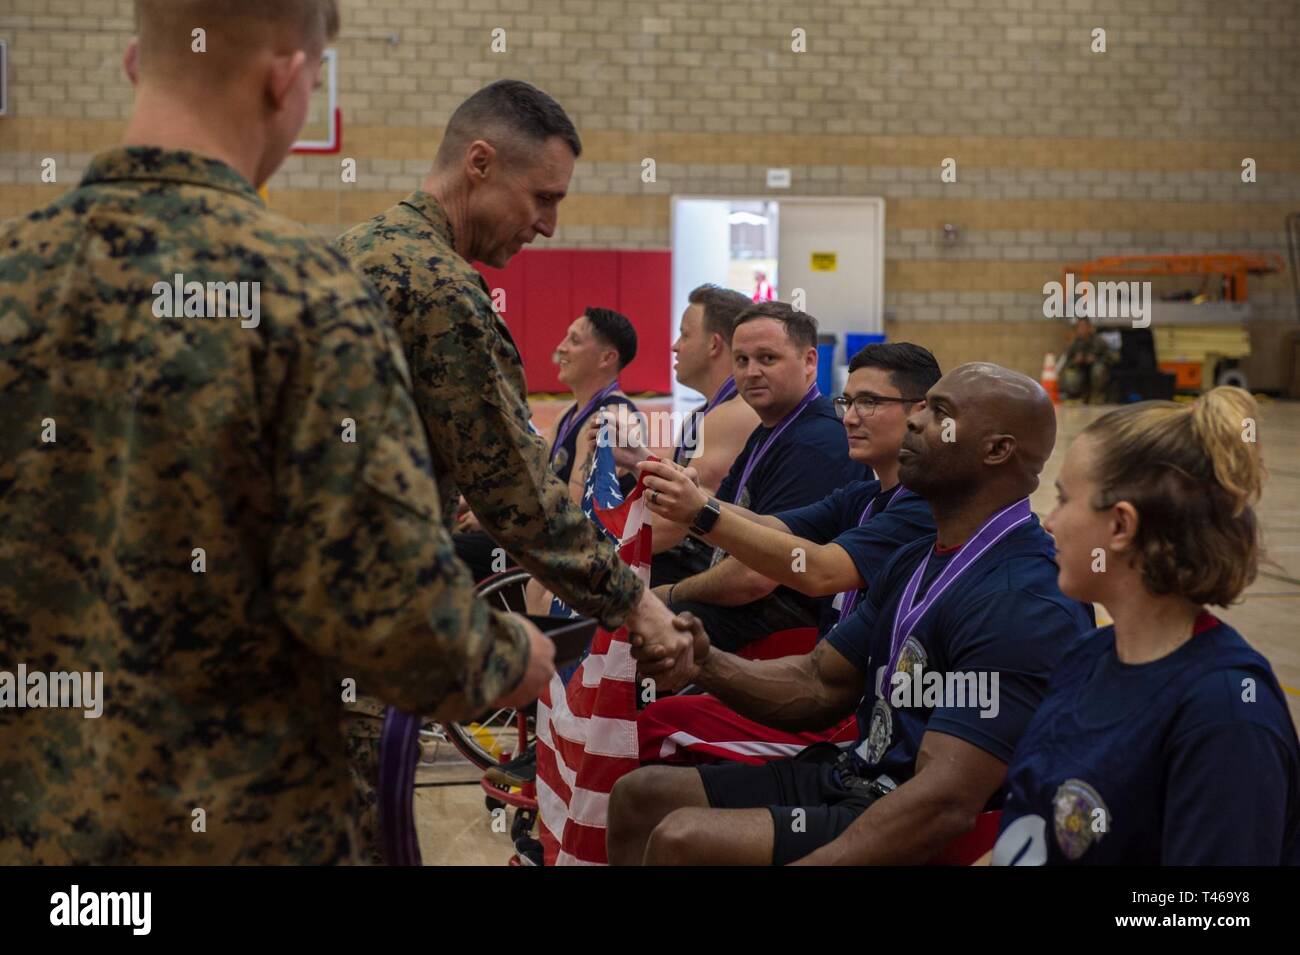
x=1081, y=818
x=912, y=655
x=881, y=732
x=561, y=459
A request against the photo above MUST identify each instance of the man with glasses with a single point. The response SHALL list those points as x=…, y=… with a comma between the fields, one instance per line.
x=835, y=546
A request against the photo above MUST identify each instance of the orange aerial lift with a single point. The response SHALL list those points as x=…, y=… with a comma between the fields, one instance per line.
x=1198, y=346
x=1233, y=267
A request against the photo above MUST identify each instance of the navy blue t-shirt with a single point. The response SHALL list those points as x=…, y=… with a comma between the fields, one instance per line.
x=562, y=459
x=989, y=643
x=1191, y=759
x=807, y=462
x=834, y=519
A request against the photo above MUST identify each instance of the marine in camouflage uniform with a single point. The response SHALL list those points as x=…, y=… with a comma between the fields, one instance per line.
x=323, y=559
x=1086, y=371
x=470, y=389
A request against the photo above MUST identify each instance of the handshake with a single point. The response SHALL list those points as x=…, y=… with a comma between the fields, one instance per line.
x=668, y=649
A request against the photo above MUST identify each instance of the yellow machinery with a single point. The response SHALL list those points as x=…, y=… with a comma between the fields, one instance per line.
x=1200, y=335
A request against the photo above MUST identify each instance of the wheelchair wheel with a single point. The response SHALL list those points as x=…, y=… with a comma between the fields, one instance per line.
x=522, y=824
x=505, y=591
x=491, y=740
x=494, y=738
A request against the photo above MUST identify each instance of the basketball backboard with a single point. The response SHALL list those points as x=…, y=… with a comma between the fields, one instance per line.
x=4, y=77
x=323, y=130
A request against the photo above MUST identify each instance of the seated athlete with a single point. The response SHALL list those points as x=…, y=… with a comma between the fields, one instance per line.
x=598, y=345
x=714, y=433
x=1165, y=738
x=946, y=659
x=796, y=456
x=836, y=546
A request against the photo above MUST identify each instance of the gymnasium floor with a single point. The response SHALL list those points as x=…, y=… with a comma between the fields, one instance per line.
x=455, y=828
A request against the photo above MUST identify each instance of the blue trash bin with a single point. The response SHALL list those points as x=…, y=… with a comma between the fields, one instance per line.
x=825, y=362
x=854, y=342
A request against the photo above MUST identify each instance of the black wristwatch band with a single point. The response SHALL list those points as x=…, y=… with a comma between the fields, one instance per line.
x=706, y=517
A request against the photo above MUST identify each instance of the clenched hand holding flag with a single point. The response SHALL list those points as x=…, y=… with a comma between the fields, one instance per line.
x=586, y=728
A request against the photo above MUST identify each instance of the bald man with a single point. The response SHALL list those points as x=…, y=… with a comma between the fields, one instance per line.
x=945, y=660
x=217, y=518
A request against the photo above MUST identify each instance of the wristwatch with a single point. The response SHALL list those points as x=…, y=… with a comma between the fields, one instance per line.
x=706, y=517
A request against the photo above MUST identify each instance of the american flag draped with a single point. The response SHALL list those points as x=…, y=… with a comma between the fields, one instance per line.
x=601, y=494
x=586, y=728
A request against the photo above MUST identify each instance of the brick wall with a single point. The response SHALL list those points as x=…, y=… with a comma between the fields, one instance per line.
x=1062, y=153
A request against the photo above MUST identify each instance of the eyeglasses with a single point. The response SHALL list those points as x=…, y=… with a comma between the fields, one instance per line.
x=866, y=405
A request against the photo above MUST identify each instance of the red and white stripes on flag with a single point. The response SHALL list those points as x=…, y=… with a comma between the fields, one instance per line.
x=586, y=731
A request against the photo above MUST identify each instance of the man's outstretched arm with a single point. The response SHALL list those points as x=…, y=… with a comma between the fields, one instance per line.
x=727, y=583
x=468, y=387
x=817, y=570
x=797, y=694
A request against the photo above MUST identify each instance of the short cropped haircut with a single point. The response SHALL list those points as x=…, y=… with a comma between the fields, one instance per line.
x=165, y=30
x=912, y=369
x=614, y=330
x=1193, y=473
x=800, y=327
x=513, y=116
x=721, y=306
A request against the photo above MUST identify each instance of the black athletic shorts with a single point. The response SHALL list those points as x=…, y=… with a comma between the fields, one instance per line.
x=807, y=796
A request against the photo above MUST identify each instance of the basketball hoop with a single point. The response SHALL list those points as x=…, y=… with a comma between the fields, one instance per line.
x=333, y=141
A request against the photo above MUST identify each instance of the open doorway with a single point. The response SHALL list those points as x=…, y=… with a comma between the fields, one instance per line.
x=753, y=226
x=830, y=251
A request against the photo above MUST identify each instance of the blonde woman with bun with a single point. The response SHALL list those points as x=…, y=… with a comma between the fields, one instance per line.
x=1164, y=739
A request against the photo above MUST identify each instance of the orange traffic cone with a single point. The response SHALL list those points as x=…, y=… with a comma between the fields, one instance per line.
x=1048, y=379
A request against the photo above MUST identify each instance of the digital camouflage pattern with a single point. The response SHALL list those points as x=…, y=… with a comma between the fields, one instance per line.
x=470, y=388
x=1092, y=347
x=1086, y=369
x=324, y=559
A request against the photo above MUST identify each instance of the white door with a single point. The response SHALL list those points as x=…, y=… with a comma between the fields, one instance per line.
x=701, y=253
x=834, y=250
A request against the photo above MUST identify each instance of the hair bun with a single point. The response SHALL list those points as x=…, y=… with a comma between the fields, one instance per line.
x=1225, y=422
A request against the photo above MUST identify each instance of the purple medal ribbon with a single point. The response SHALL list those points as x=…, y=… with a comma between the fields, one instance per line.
x=910, y=612
x=399, y=752
x=726, y=392
x=851, y=596
x=571, y=421
x=812, y=395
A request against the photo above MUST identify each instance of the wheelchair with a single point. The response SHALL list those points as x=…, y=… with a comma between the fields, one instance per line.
x=498, y=736
x=505, y=733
